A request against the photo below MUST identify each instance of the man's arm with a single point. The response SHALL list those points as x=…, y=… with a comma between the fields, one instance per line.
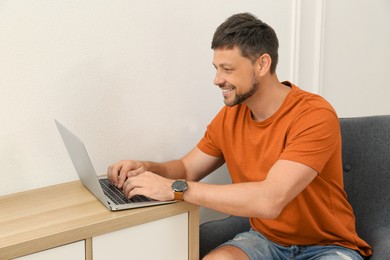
x=192, y=167
x=265, y=199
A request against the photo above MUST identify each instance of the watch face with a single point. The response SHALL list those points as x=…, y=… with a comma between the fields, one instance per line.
x=179, y=186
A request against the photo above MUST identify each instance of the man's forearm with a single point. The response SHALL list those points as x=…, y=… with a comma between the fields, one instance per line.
x=171, y=169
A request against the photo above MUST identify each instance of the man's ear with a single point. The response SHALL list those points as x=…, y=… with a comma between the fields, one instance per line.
x=264, y=64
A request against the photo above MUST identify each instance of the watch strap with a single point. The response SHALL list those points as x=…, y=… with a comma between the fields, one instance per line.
x=179, y=195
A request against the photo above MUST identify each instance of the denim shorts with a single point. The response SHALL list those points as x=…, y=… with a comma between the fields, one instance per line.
x=256, y=246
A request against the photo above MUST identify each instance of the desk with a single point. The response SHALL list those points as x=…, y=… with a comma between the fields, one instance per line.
x=54, y=216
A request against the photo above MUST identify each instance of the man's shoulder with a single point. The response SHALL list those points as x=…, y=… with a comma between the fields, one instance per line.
x=311, y=101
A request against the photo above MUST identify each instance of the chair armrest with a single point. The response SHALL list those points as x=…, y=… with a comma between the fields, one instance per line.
x=380, y=242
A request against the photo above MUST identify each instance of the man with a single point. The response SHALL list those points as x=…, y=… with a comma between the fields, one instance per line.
x=282, y=147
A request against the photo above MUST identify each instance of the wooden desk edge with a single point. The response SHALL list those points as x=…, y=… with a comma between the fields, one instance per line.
x=114, y=221
x=193, y=233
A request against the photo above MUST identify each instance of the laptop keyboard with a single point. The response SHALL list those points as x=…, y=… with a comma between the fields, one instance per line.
x=117, y=196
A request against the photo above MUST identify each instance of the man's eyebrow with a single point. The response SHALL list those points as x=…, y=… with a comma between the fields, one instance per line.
x=223, y=65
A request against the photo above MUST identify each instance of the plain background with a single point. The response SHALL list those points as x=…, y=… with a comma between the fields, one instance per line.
x=134, y=79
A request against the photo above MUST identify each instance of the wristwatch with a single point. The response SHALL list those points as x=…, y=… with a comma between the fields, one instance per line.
x=179, y=187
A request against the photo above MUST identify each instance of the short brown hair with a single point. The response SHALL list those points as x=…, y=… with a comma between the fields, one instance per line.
x=252, y=36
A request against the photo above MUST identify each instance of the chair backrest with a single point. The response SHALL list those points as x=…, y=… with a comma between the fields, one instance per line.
x=366, y=163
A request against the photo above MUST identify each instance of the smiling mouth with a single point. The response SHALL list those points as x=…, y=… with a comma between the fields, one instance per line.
x=227, y=90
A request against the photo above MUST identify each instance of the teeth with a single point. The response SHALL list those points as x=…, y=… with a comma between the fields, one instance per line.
x=227, y=90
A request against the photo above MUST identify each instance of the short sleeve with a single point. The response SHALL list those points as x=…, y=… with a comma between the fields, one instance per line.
x=312, y=138
x=209, y=144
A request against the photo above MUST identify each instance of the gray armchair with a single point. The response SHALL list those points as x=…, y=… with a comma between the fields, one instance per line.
x=366, y=163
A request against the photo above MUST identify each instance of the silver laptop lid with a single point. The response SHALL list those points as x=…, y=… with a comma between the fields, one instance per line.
x=87, y=174
x=82, y=162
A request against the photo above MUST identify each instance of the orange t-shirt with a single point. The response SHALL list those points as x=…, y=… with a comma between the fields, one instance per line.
x=305, y=129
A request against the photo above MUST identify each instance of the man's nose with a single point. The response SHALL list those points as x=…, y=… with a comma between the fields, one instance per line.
x=218, y=80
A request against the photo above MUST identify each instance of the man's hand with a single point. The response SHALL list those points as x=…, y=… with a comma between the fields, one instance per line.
x=118, y=173
x=150, y=185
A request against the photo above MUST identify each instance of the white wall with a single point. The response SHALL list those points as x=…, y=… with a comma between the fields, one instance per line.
x=356, y=56
x=133, y=79
x=343, y=54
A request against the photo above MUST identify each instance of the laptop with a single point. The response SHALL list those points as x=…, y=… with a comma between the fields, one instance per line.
x=111, y=197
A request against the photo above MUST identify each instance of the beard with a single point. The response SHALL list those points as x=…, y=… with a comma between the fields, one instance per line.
x=240, y=98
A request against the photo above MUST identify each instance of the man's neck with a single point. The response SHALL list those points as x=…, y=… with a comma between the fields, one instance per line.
x=268, y=99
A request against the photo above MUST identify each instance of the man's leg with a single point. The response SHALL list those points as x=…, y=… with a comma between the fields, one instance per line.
x=214, y=233
x=247, y=245
x=226, y=253
x=333, y=252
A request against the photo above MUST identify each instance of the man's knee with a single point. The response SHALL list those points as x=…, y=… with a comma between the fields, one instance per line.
x=226, y=253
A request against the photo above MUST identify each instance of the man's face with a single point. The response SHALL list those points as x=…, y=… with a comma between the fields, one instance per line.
x=236, y=76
